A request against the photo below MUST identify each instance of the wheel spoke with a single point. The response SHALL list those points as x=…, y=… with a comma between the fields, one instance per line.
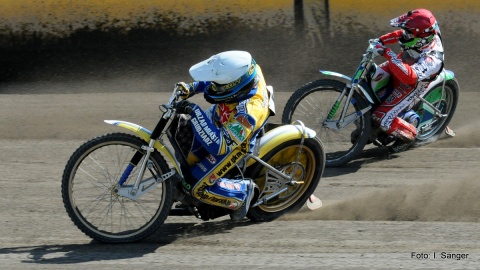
x=446, y=105
x=312, y=103
x=89, y=185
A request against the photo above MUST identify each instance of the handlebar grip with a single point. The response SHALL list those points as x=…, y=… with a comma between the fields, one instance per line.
x=188, y=109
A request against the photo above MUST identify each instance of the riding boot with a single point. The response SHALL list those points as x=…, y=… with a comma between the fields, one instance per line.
x=241, y=212
x=405, y=132
x=402, y=130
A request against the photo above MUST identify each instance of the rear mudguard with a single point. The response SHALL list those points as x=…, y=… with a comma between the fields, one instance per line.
x=445, y=75
x=145, y=135
x=449, y=75
x=279, y=135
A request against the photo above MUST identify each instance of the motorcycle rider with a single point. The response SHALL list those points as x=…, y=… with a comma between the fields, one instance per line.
x=420, y=61
x=225, y=132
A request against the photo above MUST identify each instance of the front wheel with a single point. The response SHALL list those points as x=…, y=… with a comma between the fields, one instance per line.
x=312, y=103
x=89, y=194
x=308, y=169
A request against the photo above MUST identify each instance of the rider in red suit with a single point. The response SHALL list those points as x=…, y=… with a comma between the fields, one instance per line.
x=419, y=61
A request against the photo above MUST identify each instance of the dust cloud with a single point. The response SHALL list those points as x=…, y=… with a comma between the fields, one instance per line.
x=465, y=137
x=456, y=200
x=452, y=200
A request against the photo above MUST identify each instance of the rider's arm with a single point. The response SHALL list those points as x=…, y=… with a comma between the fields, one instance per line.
x=428, y=66
x=199, y=87
x=403, y=72
x=391, y=37
x=193, y=88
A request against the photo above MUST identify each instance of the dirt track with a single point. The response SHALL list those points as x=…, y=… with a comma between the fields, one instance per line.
x=378, y=212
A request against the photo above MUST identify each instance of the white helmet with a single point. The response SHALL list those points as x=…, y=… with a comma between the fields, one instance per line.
x=232, y=76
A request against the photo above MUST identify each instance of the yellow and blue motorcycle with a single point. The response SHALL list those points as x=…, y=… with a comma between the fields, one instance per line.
x=121, y=187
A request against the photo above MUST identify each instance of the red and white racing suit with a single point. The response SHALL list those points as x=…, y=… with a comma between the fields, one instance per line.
x=411, y=72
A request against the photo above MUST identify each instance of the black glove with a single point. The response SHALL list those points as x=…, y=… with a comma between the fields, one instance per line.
x=184, y=106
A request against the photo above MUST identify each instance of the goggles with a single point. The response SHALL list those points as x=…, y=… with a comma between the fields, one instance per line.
x=407, y=35
x=217, y=88
x=220, y=89
x=225, y=88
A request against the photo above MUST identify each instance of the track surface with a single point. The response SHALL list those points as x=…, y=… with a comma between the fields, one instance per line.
x=379, y=211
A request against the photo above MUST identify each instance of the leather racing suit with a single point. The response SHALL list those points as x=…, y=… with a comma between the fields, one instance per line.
x=223, y=135
x=411, y=72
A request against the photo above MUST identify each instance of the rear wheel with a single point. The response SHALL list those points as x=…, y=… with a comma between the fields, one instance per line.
x=89, y=190
x=309, y=169
x=445, y=100
x=311, y=104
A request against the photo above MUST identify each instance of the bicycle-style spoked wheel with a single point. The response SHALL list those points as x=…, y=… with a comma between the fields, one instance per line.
x=445, y=99
x=311, y=104
x=307, y=169
x=88, y=190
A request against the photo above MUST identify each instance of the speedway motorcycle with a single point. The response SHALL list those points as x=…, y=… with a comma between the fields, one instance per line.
x=121, y=187
x=340, y=111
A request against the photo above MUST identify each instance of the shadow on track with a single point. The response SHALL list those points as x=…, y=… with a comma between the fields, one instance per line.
x=95, y=251
x=367, y=156
x=377, y=154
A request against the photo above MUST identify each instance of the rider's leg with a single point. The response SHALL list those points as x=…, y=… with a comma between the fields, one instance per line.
x=386, y=115
x=207, y=184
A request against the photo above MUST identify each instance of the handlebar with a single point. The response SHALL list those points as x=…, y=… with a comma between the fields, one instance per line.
x=174, y=99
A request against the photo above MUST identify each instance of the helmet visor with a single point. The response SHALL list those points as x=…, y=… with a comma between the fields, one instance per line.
x=220, y=89
x=407, y=35
x=234, y=86
x=217, y=88
x=408, y=40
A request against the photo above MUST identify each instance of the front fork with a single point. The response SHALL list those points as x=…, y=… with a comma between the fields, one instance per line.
x=344, y=119
x=141, y=186
x=148, y=151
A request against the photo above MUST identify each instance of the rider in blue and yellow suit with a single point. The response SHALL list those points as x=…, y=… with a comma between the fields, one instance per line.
x=226, y=132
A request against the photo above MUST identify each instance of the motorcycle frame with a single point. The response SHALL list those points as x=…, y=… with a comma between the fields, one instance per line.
x=264, y=145
x=354, y=85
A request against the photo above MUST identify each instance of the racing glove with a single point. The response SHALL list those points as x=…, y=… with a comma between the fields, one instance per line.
x=379, y=48
x=184, y=90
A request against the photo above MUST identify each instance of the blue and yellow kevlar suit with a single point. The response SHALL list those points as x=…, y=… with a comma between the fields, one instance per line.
x=223, y=135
